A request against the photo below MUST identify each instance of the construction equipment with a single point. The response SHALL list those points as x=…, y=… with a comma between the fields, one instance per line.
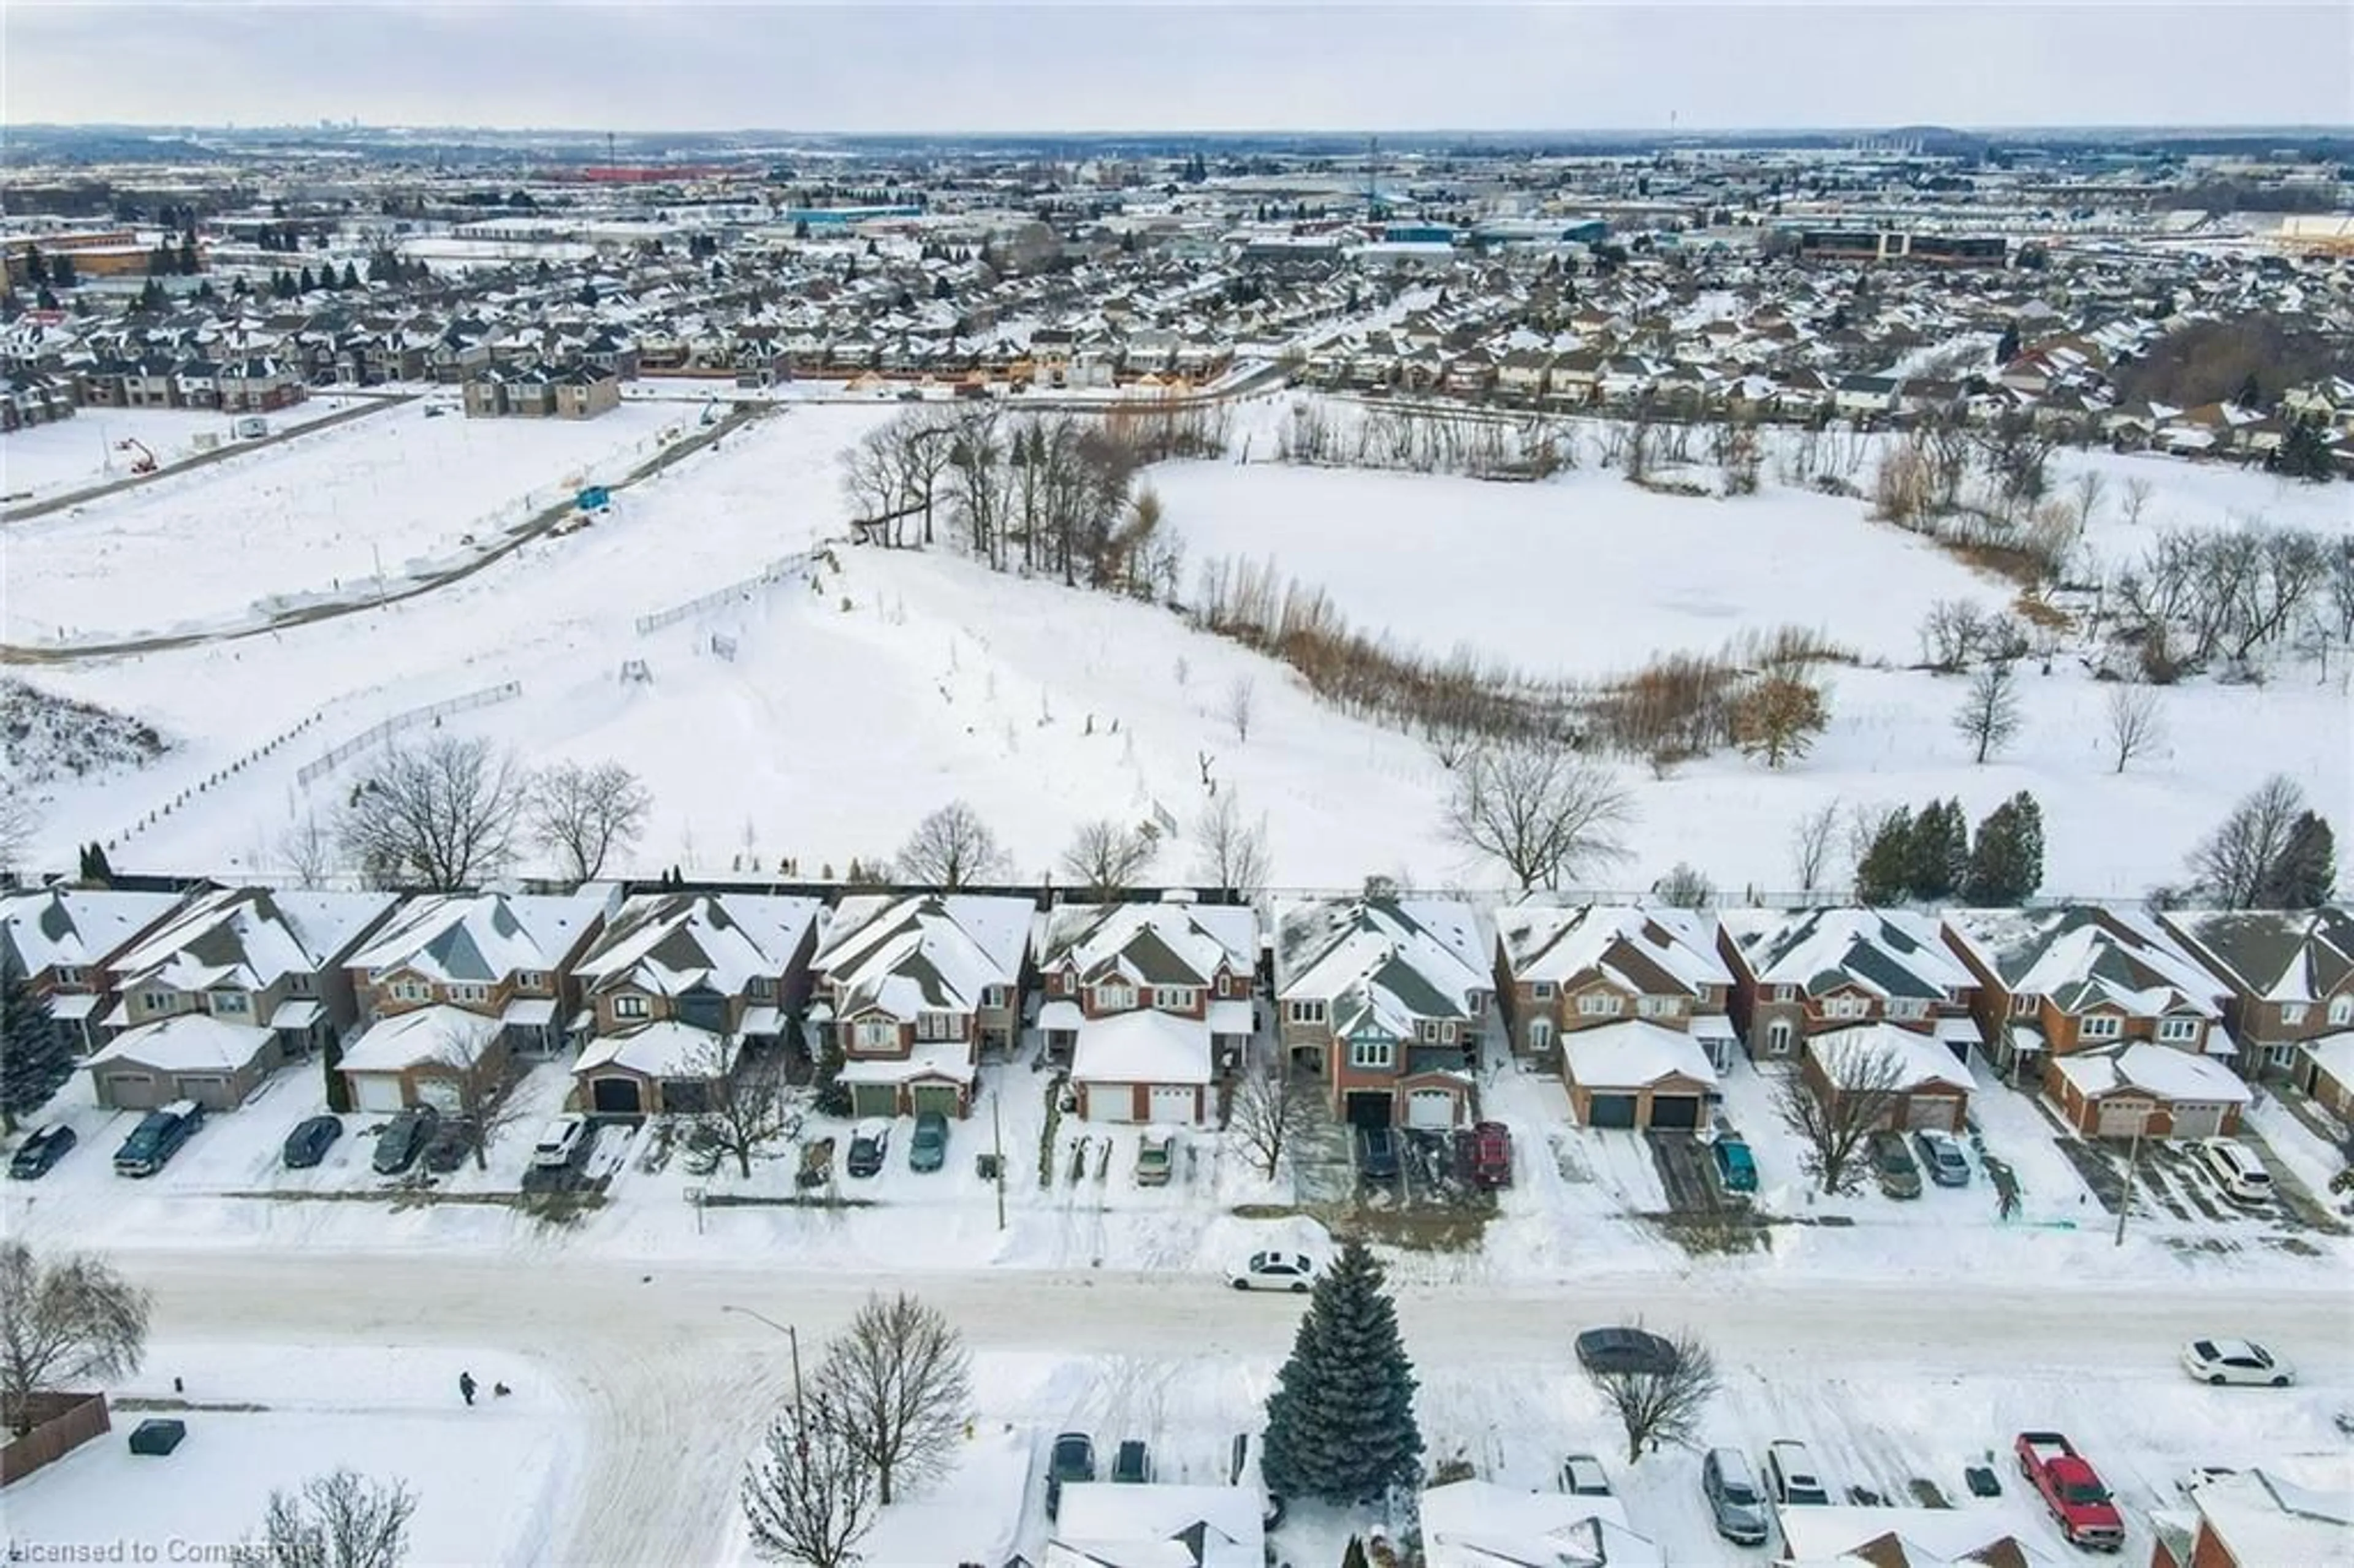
x=146, y=462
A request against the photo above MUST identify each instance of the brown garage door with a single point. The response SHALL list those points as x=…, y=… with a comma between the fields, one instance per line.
x=131, y=1091
x=1941, y=1113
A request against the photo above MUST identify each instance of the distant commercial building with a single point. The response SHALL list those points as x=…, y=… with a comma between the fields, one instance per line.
x=1891, y=245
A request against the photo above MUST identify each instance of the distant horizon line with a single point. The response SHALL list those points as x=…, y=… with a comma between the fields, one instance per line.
x=1101, y=133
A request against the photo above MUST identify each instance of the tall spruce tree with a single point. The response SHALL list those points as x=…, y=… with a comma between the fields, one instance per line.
x=1339, y=1425
x=2007, y=864
x=34, y=1059
x=1885, y=874
x=2301, y=875
x=1939, y=851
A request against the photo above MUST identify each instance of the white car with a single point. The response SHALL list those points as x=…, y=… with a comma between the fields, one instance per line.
x=1275, y=1271
x=2235, y=1360
x=560, y=1143
x=2240, y=1173
x=1582, y=1475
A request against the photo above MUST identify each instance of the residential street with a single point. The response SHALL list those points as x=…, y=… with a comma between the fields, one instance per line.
x=671, y=1392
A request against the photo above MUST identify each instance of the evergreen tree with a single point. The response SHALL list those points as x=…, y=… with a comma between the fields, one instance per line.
x=351, y=276
x=2252, y=392
x=188, y=254
x=2301, y=875
x=2007, y=864
x=34, y=1057
x=1354, y=1555
x=93, y=865
x=43, y=298
x=588, y=295
x=1885, y=874
x=1339, y=1425
x=305, y=282
x=1938, y=856
x=61, y=272
x=2304, y=453
x=830, y=1094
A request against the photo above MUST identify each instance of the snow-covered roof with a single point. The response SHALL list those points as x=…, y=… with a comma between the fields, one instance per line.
x=1129, y=1526
x=1479, y=1524
x=2275, y=954
x=1647, y=952
x=946, y=1060
x=926, y=952
x=662, y=1049
x=1631, y=1053
x=2160, y=1071
x=1150, y=943
x=185, y=1043
x=668, y=943
x=1884, y=952
x=482, y=937
x=2333, y=1053
x=2084, y=956
x=249, y=937
x=1389, y=962
x=427, y=1034
x=1923, y=1061
x=76, y=928
x=2296, y=1509
x=1917, y=1537
x=1143, y=1047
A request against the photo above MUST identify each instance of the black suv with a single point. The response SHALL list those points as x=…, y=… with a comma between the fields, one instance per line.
x=41, y=1149
x=158, y=1138
x=1074, y=1460
x=404, y=1139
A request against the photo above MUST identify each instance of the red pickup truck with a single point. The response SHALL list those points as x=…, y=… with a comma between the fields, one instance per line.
x=2072, y=1489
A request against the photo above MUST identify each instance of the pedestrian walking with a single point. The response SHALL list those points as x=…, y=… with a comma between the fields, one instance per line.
x=466, y=1385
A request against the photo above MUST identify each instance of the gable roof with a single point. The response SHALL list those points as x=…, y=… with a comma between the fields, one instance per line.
x=482, y=937
x=2273, y=955
x=1886, y=952
x=1150, y=943
x=249, y=937
x=919, y=952
x=668, y=943
x=2084, y=956
x=77, y=928
x=1388, y=961
x=1654, y=952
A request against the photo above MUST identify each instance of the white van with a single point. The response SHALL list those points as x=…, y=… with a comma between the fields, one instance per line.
x=1791, y=1477
x=2235, y=1170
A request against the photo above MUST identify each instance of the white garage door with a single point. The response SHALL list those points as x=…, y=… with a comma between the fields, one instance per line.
x=376, y=1092
x=443, y=1094
x=1942, y=1112
x=2122, y=1118
x=210, y=1090
x=1430, y=1107
x=1111, y=1102
x=2198, y=1121
x=1174, y=1103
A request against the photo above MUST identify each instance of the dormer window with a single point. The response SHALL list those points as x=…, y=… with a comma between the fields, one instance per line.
x=629, y=1007
x=760, y=987
x=2098, y=1026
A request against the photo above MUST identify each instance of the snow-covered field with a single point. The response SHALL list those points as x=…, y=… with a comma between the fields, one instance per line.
x=41, y=460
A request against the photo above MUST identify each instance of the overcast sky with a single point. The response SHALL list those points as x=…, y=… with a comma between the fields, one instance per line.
x=1108, y=67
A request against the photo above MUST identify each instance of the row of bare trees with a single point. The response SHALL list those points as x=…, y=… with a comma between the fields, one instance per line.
x=1427, y=440
x=2195, y=598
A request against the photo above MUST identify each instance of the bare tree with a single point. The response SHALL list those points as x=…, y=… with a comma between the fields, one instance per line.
x=1270, y=1106
x=483, y=1081
x=1864, y=1081
x=1233, y=853
x=307, y=849
x=1988, y=716
x=62, y=1321
x=1239, y=699
x=2240, y=860
x=901, y=1381
x=2086, y=493
x=744, y=1111
x=1684, y=887
x=952, y=849
x=441, y=817
x=809, y=1496
x=1539, y=808
x=1951, y=632
x=2136, y=494
x=1660, y=1404
x=2136, y=725
x=340, y=1520
x=1105, y=857
x=1778, y=718
x=1810, y=845
x=583, y=813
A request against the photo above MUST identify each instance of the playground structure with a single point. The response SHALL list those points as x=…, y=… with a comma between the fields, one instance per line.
x=146, y=462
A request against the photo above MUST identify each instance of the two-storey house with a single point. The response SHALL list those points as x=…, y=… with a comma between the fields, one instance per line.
x=915, y=987
x=1629, y=1003
x=2121, y=1026
x=2290, y=974
x=1149, y=1004
x=455, y=983
x=63, y=938
x=1384, y=999
x=680, y=986
x=234, y=984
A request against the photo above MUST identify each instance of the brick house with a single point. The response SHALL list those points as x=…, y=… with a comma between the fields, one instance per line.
x=1384, y=999
x=484, y=975
x=265, y=967
x=1929, y=1088
x=64, y=938
x=258, y=385
x=679, y=985
x=1799, y=973
x=2298, y=1509
x=1149, y=1004
x=2290, y=974
x=2153, y=1090
x=914, y=986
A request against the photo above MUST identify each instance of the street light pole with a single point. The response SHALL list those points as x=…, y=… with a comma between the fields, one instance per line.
x=791, y=1339
x=2133, y=1166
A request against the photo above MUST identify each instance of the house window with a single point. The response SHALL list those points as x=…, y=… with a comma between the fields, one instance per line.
x=1541, y=991
x=1656, y=1007
x=2341, y=1010
x=1910, y=1009
x=1597, y=1004
x=2176, y=1031
x=1785, y=993
x=2025, y=1005
x=69, y=974
x=2291, y=1014
x=532, y=979
x=992, y=996
x=1304, y=1011
x=411, y=991
x=878, y=1035
x=1777, y=1037
x=936, y=1027
x=1172, y=998
x=229, y=1002
x=1429, y=1029
x=2097, y=1026
x=760, y=987
x=1371, y=1054
x=629, y=1007
x=1846, y=1007
x=298, y=985
x=1113, y=997
x=469, y=992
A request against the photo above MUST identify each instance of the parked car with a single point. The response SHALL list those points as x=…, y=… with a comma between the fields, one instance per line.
x=1131, y=1465
x=1582, y=1475
x=42, y=1147
x=450, y=1146
x=308, y=1142
x=868, y=1145
x=1625, y=1351
x=1156, y=1155
x=1791, y=1476
x=1736, y=1167
x=1377, y=1154
x=929, y=1148
x=560, y=1143
x=2072, y=1489
x=2240, y=1173
x=1491, y=1155
x=1732, y=1497
x=2235, y=1360
x=1942, y=1158
x=158, y=1138
x=404, y=1138
x=1290, y=1271
x=1072, y=1460
x=1893, y=1167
